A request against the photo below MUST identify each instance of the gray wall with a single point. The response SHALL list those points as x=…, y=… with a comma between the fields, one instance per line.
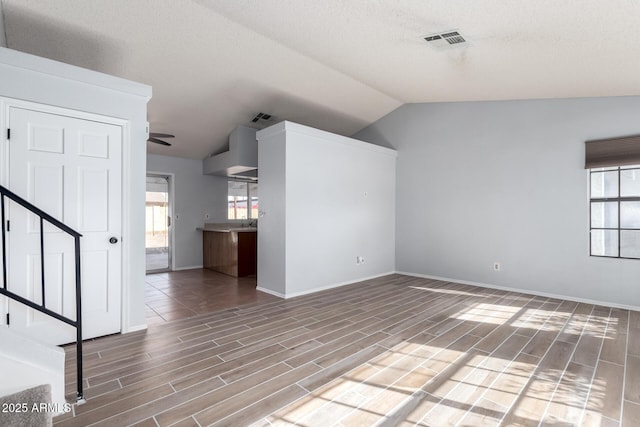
x=195, y=195
x=3, y=39
x=272, y=153
x=482, y=182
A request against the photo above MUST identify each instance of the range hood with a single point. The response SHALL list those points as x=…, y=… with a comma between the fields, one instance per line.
x=241, y=161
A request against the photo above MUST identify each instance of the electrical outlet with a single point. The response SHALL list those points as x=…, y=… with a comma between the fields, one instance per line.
x=359, y=260
x=496, y=266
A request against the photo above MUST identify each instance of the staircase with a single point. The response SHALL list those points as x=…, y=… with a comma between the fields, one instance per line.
x=25, y=363
x=32, y=373
x=24, y=408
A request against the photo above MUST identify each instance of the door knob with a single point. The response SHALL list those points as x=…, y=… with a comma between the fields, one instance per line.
x=113, y=240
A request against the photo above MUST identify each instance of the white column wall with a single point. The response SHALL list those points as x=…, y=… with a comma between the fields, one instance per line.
x=327, y=200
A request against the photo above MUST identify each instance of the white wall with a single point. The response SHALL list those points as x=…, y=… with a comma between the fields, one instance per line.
x=26, y=363
x=504, y=181
x=195, y=195
x=334, y=197
x=30, y=78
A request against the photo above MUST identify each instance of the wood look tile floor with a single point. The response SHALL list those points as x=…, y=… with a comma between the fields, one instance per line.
x=181, y=294
x=391, y=351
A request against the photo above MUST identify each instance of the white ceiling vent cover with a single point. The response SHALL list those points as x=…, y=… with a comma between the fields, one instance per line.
x=445, y=39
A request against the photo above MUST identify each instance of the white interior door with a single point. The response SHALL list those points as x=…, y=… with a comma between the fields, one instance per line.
x=71, y=169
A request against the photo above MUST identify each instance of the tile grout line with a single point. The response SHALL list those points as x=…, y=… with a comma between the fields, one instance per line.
x=213, y=390
x=533, y=373
x=595, y=367
x=152, y=367
x=334, y=399
x=144, y=404
x=473, y=347
x=507, y=365
x=482, y=395
x=140, y=392
x=430, y=357
x=573, y=352
x=257, y=401
x=624, y=370
x=203, y=369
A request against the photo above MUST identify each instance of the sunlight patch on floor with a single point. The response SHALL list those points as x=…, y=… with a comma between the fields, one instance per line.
x=448, y=291
x=488, y=313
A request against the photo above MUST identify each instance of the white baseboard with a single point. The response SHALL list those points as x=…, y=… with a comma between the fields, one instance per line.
x=322, y=288
x=135, y=328
x=193, y=267
x=270, y=292
x=524, y=291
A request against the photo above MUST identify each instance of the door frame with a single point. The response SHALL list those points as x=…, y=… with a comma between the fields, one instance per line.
x=5, y=105
x=171, y=177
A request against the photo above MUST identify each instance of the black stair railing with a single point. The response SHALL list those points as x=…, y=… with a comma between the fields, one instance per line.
x=43, y=216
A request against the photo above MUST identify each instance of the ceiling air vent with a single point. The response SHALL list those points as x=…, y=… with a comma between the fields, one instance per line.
x=446, y=38
x=262, y=120
x=261, y=116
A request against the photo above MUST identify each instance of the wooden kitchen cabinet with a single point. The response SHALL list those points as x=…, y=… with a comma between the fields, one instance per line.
x=232, y=252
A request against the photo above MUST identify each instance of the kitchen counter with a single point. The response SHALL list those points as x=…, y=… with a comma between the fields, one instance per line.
x=230, y=250
x=229, y=229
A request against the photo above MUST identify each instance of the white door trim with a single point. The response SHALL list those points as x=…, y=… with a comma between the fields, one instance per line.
x=4, y=179
x=127, y=231
x=125, y=125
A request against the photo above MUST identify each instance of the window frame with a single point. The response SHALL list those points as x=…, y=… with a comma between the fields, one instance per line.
x=250, y=197
x=618, y=200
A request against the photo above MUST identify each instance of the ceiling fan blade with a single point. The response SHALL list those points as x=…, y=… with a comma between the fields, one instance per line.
x=158, y=141
x=160, y=135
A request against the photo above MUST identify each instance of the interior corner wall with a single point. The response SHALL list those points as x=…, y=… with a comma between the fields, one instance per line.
x=3, y=34
x=195, y=195
x=485, y=182
x=326, y=200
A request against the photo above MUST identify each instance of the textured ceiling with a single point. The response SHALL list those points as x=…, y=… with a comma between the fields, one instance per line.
x=333, y=64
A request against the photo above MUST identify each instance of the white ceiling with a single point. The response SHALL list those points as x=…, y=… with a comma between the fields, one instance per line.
x=333, y=64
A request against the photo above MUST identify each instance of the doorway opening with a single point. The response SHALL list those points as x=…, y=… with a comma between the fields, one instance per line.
x=158, y=223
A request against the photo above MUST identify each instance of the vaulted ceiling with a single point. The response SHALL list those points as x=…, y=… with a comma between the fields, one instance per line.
x=337, y=65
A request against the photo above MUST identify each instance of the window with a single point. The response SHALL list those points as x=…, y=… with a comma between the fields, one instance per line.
x=615, y=212
x=242, y=200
